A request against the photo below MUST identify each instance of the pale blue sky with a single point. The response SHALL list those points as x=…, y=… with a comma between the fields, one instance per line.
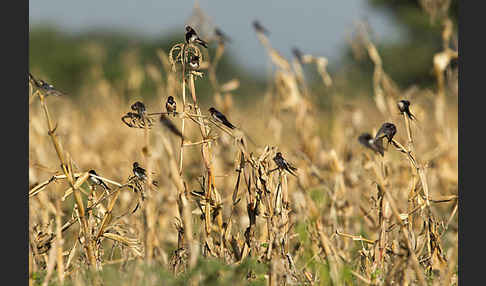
x=317, y=27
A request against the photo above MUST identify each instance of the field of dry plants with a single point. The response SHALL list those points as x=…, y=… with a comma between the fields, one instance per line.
x=215, y=209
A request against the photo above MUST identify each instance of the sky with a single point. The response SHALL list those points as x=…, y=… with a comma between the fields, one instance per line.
x=317, y=27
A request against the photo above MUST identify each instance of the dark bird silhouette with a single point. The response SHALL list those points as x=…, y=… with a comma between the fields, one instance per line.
x=222, y=38
x=283, y=164
x=387, y=130
x=47, y=88
x=259, y=28
x=170, y=105
x=139, y=171
x=367, y=140
x=167, y=123
x=97, y=181
x=139, y=107
x=192, y=37
x=218, y=116
x=404, y=106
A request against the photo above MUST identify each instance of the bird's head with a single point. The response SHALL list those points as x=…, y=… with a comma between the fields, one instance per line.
x=45, y=84
x=92, y=172
x=212, y=110
x=138, y=106
x=403, y=105
x=188, y=28
x=135, y=165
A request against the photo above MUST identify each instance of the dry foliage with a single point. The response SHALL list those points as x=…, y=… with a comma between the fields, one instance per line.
x=350, y=216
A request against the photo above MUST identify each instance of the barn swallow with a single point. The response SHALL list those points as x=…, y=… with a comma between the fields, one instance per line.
x=218, y=116
x=283, y=164
x=167, y=123
x=97, y=181
x=194, y=62
x=221, y=36
x=298, y=54
x=139, y=107
x=404, y=106
x=139, y=171
x=259, y=28
x=192, y=37
x=387, y=130
x=367, y=140
x=170, y=105
x=47, y=88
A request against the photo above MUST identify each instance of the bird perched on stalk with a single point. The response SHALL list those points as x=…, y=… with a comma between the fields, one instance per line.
x=192, y=37
x=47, y=88
x=387, y=130
x=139, y=171
x=404, y=107
x=170, y=105
x=218, y=116
x=97, y=181
x=283, y=164
x=139, y=107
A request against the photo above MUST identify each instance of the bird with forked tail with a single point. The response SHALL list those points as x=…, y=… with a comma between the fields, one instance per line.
x=283, y=164
x=192, y=37
x=97, y=181
x=404, y=107
x=218, y=116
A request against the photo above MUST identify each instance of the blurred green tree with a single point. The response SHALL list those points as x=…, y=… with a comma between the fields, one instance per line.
x=409, y=60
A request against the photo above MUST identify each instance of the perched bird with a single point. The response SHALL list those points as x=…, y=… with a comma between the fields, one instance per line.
x=192, y=37
x=387, y=130
x=139, y=107
x=404, y=106
x=283, y=164
x=47, y=88
x=221, y=36
x=167, y=123
x=139, y=171
x=259, y=28
x=297, y=54
x=367, y=140
x=218, y=116
x=170, y=105
x=97, y=181
x=194, y=62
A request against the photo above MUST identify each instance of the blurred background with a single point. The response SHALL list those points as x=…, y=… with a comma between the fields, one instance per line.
x=69, y=41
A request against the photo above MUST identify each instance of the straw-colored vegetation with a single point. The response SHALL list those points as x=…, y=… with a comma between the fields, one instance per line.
x=215, y=210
